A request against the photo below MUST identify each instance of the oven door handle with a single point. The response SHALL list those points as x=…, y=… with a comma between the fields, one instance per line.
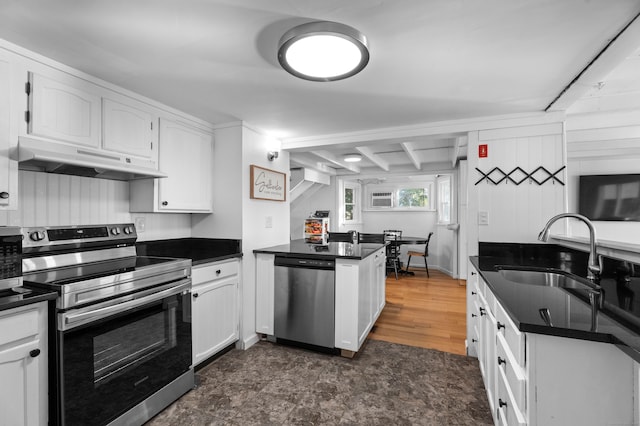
x=72, y=319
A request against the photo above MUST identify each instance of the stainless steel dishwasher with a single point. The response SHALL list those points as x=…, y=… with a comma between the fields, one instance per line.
x=305, y=300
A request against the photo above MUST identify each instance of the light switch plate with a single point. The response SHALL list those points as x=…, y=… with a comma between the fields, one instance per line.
x=140, y=224
x=268, y=223
x=483, y=218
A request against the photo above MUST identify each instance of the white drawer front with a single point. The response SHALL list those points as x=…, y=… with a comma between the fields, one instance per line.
x=214, y=271
x=18, y=324
x=513, y=372
x=513, y=336
x=507, y=410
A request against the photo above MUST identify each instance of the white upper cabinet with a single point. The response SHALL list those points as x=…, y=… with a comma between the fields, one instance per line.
x=65, y=108
x=8, y=167
x=186, y=156
x=128, y=128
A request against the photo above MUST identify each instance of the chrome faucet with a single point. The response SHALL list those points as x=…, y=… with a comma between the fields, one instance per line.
x=593, y=273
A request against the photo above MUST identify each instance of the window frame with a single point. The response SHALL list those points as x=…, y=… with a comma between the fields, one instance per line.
x=395, y=189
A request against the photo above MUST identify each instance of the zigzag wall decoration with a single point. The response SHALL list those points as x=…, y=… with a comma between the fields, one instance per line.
x=502, y=176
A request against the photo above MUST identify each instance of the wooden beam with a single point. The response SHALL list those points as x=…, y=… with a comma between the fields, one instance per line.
x=408, y=148
x=373, y=157
x=335, y=160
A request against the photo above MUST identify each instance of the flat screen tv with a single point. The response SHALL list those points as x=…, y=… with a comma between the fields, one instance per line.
x=610, y=197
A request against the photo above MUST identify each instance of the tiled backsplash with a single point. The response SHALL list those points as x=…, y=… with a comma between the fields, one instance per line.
x=52, y=200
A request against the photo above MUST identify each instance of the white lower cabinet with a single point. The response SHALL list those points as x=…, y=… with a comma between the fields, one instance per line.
x=538, y=379
x=360, y=286
x=23, y=365
x=215, y=308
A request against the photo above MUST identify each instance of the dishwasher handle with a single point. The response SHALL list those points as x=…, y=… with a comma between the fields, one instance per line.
x=306, y=263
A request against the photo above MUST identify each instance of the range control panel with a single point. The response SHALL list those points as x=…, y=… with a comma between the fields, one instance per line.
x=41, y=236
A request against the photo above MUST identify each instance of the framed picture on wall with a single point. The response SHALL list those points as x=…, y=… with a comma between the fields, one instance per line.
x=268, y=184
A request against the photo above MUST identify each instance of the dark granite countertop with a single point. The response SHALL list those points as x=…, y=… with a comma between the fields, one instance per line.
x=199, y=250
x=24, y=296
x=617, y=321
x=300, y=248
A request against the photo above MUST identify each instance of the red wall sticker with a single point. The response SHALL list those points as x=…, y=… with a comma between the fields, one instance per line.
x=483, y=151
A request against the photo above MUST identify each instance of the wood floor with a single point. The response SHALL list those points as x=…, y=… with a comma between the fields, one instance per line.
x=424, y=312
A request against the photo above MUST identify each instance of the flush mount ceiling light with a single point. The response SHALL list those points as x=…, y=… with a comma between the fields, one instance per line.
x=323, y=51
x=352, y=158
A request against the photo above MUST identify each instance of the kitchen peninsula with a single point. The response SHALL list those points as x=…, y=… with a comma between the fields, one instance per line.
x=360, y=274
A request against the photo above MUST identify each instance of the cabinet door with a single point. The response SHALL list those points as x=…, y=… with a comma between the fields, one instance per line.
x=8, y=167
x=23, y=384
x=64, y=109
x=186, y=155
x=127, y=129
x=215, y=317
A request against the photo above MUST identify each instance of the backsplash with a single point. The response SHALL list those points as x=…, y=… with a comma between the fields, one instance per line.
x=53, y=200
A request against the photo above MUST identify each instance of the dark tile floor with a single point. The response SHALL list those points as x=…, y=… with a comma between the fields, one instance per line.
x=385, y=384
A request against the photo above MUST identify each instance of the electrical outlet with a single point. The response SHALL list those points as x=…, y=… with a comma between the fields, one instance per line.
x=140, y=224
x=483, y=218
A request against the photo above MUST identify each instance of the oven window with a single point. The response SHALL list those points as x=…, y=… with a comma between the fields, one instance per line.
x=123, y=348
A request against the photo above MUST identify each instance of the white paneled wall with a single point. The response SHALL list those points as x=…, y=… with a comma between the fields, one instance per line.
x=517, y=213
x=54, y=200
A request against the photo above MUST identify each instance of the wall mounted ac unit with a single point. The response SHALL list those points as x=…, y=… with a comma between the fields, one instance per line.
x=382, y=199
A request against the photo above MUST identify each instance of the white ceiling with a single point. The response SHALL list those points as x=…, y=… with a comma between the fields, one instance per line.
x=431, y=60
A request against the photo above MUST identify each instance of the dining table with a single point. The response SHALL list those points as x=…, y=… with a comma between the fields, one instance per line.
x=407, y=240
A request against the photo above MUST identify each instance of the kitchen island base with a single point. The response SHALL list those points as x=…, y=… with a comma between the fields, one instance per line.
x=359, y=291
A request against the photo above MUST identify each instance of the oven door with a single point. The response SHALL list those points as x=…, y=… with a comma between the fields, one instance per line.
x=114, y=355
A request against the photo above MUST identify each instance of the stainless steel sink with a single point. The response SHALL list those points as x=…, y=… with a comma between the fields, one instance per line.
x=546, y=278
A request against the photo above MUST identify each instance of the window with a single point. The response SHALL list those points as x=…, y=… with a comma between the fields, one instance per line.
x=413, y=197
x=349, y=203
x=444, y=199
x=401, y=196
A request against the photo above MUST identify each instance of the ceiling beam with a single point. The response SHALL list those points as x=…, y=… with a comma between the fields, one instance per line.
x=408, y=148
x=373, y=157
x=305, y=161
x=335, y=160
x=458, y=149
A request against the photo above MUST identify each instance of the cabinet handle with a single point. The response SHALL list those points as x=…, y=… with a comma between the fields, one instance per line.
x=218, y=272
x=500, y=325
x=473, y=273
x=502, y=361
x=474, y=340
x=473, y=293
x=482, y=312
x=34, y=353
x=501, y=403
x=195, y=295
x=4, y=195
x=473, y=315
x=165, y=203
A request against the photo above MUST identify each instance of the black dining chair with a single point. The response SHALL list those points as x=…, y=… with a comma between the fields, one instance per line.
x=371, y=238
x=393, y=253
x=424, y=254
x=340, y=237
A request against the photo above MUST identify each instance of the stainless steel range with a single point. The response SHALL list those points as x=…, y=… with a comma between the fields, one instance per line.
x=121, y=334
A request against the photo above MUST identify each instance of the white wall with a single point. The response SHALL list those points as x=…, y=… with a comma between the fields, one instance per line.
x=516, y=213
x=603, y=137
x=58, y=200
